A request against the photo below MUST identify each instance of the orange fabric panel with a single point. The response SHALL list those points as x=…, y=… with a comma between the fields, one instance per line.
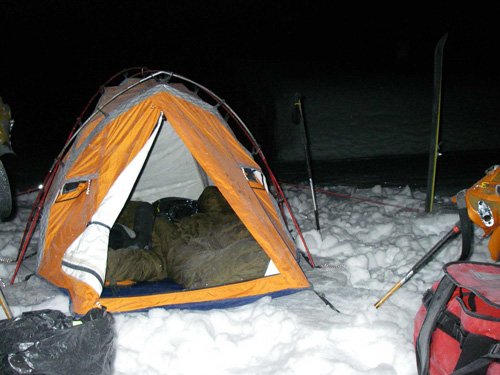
x=85, y=131
x=485, y=190
x=494, y=245
x=106, y=156
x=276, y=217
x=83, y=298
x=256, y=287
x=66, y=221
x=117, y=144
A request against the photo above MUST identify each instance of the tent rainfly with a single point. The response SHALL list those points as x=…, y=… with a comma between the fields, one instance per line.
x=151, y=137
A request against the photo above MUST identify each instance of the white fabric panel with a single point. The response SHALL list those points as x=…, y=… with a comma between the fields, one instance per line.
x=170, y=171
x=90, y=250
x=271, y=269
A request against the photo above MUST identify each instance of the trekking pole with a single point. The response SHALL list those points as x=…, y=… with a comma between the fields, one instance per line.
x=5, y=306
x=421, y=263
x=298, y=118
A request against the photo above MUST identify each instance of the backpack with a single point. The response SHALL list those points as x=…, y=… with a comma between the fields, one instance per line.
x=457, y=328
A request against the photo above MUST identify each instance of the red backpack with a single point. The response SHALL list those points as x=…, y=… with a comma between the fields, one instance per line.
x=457, y=328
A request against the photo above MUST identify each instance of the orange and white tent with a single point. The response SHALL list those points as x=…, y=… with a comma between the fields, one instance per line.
x=150, y=138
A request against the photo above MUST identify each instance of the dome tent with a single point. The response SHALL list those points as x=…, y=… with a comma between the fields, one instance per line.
x=148, y=138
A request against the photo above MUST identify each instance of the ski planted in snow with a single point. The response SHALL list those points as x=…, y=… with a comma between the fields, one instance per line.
x=436, y=119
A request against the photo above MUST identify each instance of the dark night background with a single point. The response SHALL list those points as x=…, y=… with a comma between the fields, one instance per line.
x=56, y=54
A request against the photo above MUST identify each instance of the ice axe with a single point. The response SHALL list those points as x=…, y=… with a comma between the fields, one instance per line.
x=298, y=118
x=464, y=226
x=4, y=304
x=453, y=232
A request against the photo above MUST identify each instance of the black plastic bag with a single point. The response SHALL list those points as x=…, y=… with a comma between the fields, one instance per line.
x=49, y=342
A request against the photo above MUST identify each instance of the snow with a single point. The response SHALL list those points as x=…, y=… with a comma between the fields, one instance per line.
x=369, y=239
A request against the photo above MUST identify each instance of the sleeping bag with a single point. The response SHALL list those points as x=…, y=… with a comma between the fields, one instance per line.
x=211, y=247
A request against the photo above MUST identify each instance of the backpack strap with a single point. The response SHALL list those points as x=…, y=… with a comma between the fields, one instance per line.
x=437, y=305
x=478, y=351
x=480, y=365
x=465, y=226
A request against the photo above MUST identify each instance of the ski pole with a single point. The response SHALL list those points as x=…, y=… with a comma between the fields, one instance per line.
x=421, y=263
x=298, y=118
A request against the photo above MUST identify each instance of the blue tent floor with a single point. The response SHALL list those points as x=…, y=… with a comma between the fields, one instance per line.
x=141, y=289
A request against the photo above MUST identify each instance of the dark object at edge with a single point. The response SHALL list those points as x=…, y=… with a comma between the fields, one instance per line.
x=49, y=342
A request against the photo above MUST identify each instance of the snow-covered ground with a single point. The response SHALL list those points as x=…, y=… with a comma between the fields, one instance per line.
x=369, y=239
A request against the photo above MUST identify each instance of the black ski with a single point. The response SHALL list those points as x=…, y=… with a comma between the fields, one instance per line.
x=436, y=119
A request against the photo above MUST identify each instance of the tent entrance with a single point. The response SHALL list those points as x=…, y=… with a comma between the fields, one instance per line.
x=169, y=171
x=206, y=246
